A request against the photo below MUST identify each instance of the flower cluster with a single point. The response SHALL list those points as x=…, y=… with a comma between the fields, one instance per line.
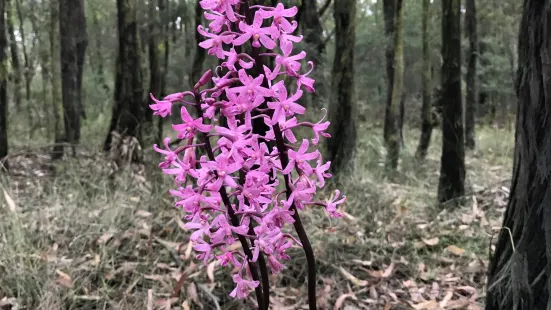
x=235, y=195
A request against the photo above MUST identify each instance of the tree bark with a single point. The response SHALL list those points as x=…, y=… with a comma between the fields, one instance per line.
x=154, y=50
x=100, y=71
x=69, y=70
x=15, y=62
x=128, y=108
x=57, y=106
x=341, y=109
x=28, y=73
x=519, y=274
x=394, y=29
x=452, y=164
x=315, y=45
x=426, y=111
x=3, y=91
x=197, y=67
x=81, y=37
x=470, y=104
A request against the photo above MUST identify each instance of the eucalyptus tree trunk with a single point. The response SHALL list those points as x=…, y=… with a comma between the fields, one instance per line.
x=81, y=40
x=200, y=54
x=342, y=145
x=426, y=111
x=519, y=275
x=69, y=70
x=57, y=106
x=154, y=51
x=313, y=37
x=394, y=29
x=452, y=164
x=470, y=104
x=128, y=107
x=15, y=62
x=28, y=73
x=3, y=90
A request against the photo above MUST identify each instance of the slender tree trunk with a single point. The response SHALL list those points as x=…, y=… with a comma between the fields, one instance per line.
x=69, y=70
x=426, y=112
x=394, y=18
x=519, y=274
x=452, y=164
x=3, y=90
x=341, y=110
x=100, y=71
x=470, y=104
x=81, y=37
x=15, y=63
x=128, y=108
x=57, y=105
x=197, y=67
x=155, y=83
x=28, y=73
x=313, y=37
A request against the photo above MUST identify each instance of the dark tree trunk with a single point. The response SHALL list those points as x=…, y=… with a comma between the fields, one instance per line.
x=57, y=106
x=100, y=71
x=452, y=164
x=16, y=65
x=155, y=83
x=394, y=29
x=69, y=70
x=164, y=8
x=470, y=104
x=341, y=109
x=128, y=108
x=3, y=91
x=81, y=37
x=197, y=67
x=519, y=275
x=313, y=37
x=28, y=66
x=426, y=111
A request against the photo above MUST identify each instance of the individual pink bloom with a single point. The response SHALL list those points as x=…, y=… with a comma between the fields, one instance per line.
x=179, y=169
x=176, y=97
x=243, y=287
x=290, y=63
x=161, y=107
x=286, y=40
x=275, y=266
x=214, y=44
x=225, y=231
x=228, y=257
x=331, y=206
x=304, y=80
x=300, y=157
x=285, y=107
x=278, y=14
x=257, y=33
x=279, y=216
x=190, y=126
x=201, y=228
x=233, y=57
x=302, y=193
x=252, y=88
x=256, y=153
x=218, y=21
x=321, y=174
x=319, y=128
x=224, y=168
x=221, y=6
x=170, y=156
x=286, y=129
x=204, y=249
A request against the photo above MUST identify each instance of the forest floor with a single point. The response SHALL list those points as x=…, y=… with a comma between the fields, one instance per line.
x=84, y=235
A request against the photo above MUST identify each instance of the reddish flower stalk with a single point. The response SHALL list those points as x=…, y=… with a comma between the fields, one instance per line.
x=243, y=166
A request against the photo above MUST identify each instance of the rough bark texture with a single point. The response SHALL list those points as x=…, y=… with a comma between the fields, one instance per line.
x=426, y=112
x=55, y=69
x=200, y=54
x=452, y=164
x=520, y=274
x=470, y=104
x=3, y=91
x=154, y=51
x=15, y=62
x=341, y=109
x=28, y=66
x=81, y=41
x=128, y=108
x=315, y=45
x=69, y=70
x=394, y=29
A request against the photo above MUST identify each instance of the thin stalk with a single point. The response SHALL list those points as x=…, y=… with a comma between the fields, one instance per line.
x=233, y=218
x=310, y=259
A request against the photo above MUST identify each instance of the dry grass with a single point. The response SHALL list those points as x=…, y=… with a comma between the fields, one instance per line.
x=78, y=236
